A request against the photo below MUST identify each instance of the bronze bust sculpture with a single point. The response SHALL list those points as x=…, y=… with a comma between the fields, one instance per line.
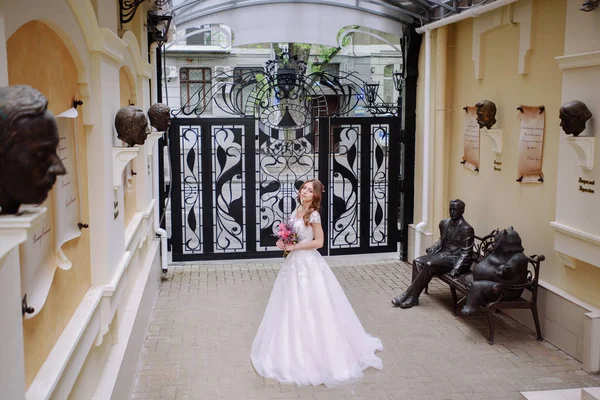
x=160, y=116
x=29, y=164
x=506, y=264
x=486, y=113
x=132, y=125
x=453, y=253
x=573, y=116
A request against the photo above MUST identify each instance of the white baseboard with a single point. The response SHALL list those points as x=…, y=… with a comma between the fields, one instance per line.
x=89, y=347
x=118, y=376
x=567, y=322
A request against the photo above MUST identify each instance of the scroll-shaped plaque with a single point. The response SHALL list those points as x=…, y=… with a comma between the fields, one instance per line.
x=42, y=252
x=66, y=192
x=531, y=144
x=471, y=140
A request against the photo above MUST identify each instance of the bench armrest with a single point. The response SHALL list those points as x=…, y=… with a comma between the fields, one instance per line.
x=501, y=287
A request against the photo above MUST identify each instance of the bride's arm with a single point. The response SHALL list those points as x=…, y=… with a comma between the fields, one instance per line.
x=316, y=243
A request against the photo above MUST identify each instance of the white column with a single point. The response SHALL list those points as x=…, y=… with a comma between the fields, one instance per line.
x=3, y=56
x=106, y=233
x=12, y=362
x=142, y=162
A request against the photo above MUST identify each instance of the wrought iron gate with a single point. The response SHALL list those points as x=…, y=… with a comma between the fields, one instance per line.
x=234, y=180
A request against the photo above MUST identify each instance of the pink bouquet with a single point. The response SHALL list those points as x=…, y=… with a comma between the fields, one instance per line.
x=287, y=235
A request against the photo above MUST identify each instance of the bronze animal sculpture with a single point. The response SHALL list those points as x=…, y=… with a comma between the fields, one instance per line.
x=506, y=264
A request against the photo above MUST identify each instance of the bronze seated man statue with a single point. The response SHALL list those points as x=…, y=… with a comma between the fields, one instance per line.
x=506, y=264
x=452, y=253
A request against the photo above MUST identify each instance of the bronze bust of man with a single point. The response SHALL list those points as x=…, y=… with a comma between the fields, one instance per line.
x=453, y=253
x=486, y=113
x=573, y=116
x=29, y=164
x=132, y=125
x=160, y=116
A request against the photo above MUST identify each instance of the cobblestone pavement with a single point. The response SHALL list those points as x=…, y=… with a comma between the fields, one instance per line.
x=206, y=316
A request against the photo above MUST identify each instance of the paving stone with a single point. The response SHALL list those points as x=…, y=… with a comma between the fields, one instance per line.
x=206, y=315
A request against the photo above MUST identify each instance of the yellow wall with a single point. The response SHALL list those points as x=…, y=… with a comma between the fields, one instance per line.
x=494, y=199
x=37, y=57
x=125, y=87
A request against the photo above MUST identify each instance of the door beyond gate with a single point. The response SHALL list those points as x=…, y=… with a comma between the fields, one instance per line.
x=234, y=180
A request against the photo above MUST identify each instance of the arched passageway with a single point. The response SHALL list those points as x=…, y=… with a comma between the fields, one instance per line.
x=296, y=125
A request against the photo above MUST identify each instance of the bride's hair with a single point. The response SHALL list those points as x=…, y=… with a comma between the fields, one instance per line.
x=315, y=204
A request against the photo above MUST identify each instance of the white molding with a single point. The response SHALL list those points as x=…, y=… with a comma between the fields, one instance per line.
x=138, y=224
x=98, y=39
x=576, y=233
x=576, y=243
x=70, y=350
x=584, y=148
x=121, y=157
x=146, y=214
x=108, y=44
x=496, y=136
x=133, y=228
x=120, y=363
x=87, y=326
x=520, y=12
x=111, y=296
x=151, y=140
x=579, y=60
x=142, y=68
x=14, y=229
x=566, y=260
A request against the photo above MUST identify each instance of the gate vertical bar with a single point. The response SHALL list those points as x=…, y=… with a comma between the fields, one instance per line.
x=393, y=184
x=365, y=187
x=323, y=154
x=411, y=48
x=207, y=187
x=176, y=205
x=251, y=150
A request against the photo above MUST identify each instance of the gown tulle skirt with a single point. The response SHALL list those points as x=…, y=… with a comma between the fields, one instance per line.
x=309, y=334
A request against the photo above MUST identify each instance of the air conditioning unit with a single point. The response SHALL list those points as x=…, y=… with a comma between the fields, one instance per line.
x=222, y=71
x=218, y=89
x=172, y=73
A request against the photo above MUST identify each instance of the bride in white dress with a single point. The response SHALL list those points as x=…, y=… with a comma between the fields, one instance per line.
x=309, y=334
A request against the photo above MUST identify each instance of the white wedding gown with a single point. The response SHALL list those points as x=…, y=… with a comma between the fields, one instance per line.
x=309, y=334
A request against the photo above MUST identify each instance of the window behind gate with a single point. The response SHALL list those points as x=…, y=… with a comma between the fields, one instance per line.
x=196, y=88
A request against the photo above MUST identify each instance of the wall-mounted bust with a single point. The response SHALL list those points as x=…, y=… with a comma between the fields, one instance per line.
x=132, y=125
x=486, y=113
x=160, y=116
x=573, y=116
x=29, y=164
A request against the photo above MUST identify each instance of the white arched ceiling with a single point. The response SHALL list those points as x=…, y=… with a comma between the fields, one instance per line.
x=292, y=22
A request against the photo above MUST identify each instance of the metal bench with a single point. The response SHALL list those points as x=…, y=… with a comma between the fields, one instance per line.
x=481, y=249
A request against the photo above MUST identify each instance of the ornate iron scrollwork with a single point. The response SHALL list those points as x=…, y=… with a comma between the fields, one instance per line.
x=345, y=187
x=128, y=9
x=282, y=87
x=283, y=164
